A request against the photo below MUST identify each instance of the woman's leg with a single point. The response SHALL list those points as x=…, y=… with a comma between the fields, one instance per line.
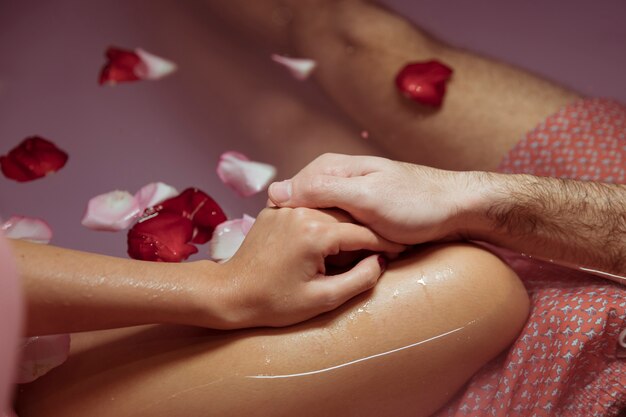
x=404, y=348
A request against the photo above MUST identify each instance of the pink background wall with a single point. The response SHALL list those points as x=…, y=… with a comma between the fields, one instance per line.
x=174, y=130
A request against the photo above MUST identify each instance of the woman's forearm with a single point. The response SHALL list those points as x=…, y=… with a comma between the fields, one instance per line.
x=572, y=222
x=276, y=278
x=69, y=291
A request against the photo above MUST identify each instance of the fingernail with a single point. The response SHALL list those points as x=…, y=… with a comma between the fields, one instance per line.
x=382, y=261
x=280, y=192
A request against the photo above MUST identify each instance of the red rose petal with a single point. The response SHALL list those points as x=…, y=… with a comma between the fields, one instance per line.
x=198, y=207
x=161, y=237
x=120, y=66
x=125, y=65
x=35, y=157
x=424, y=82
x=167, y=230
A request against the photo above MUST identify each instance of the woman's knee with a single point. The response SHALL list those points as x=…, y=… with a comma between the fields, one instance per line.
x=464, y=284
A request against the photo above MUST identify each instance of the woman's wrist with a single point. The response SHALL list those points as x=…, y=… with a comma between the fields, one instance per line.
x=208, y=296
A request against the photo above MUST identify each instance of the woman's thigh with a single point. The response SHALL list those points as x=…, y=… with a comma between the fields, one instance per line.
x=403, y=348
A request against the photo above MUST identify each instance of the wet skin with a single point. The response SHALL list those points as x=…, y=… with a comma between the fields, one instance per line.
x=403, y=348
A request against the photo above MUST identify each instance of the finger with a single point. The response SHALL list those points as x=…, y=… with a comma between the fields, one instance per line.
x=318, y=191
x=346, y=237
x=332, y=291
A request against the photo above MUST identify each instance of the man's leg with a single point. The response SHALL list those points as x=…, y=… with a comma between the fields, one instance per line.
x=243, y=102
x=361, y=46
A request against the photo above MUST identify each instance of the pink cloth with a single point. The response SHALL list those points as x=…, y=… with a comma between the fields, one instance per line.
x=567, y=360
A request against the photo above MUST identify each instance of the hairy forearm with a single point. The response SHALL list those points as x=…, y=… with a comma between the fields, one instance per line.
x=69, y=291
x=571, y=222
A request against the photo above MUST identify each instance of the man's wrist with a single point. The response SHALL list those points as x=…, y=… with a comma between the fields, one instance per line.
x=477, y=194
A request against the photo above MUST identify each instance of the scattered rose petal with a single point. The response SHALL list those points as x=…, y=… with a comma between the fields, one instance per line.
x=111, y=211
x=198, y=207
x=246, y=223
x=166, y=231
x=27, y=228
x=161, y=237
x=153, y=67
x=228, y=237
x=154, y=193
x=244, y=176
x=41, y=354
x=300, y=68
x=125, y=65
x=34, y=158
x=424, y=82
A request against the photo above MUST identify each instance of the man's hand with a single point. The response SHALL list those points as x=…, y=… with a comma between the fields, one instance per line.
x=570, y=222
x=402, y=202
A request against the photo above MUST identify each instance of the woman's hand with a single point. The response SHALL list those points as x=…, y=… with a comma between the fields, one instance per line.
x=278, y=276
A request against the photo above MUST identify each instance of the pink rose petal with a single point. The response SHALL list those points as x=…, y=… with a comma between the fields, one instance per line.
x=246, y=223
x=153, y=67
x=111, y=211
x=27, y=228
x=244, y=176
x=228, y=237
x=154, y=193
x=300, y=68
x=41, y=354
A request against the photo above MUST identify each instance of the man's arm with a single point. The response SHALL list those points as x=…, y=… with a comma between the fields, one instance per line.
x=570, y=222
x=577, y=222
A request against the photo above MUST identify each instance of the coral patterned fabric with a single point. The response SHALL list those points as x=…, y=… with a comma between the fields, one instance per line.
x=567, y=360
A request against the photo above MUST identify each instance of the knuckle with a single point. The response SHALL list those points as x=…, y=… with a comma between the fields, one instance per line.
x=313, y=228
x=371, y=280
x=301, y=215
x=317, y=185
x=328, y=299
x=368, y=278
